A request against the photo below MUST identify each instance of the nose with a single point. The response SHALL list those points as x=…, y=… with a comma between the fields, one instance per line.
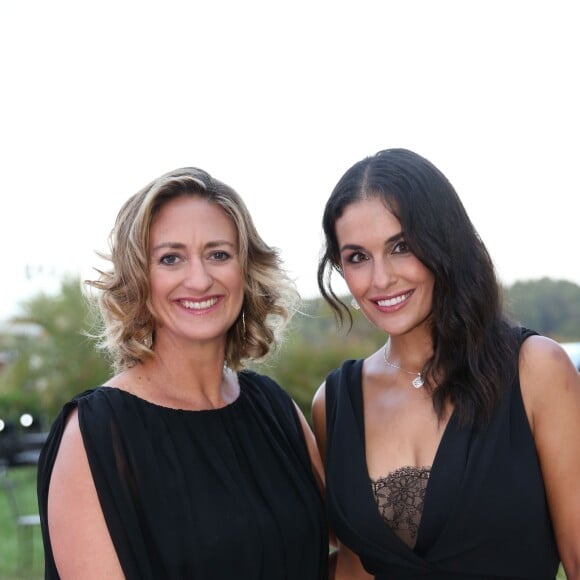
x=198, y=278
x=383, y=273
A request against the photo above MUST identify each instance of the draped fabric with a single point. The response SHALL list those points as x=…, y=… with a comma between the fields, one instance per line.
x=217, y=494
x=485, y=513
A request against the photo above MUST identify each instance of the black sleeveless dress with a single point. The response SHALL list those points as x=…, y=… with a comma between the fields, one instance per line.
x=208, y=495
x=485, y=513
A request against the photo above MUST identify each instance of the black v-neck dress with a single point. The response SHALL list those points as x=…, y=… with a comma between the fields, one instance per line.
x=205, y=495
x=485, y=513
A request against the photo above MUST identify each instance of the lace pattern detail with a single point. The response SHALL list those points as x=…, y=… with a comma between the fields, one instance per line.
x=400, y=497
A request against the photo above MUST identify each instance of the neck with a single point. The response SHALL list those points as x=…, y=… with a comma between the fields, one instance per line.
x=409, y=352
x=185, y=382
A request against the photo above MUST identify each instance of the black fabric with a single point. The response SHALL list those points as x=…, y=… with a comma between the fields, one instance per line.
x=485, y=514
x=220, y=494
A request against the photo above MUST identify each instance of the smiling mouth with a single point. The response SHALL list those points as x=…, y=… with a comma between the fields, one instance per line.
x=394, y=301
x=202, y=305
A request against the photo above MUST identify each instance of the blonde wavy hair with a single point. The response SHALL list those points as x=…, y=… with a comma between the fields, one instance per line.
x=123, y=300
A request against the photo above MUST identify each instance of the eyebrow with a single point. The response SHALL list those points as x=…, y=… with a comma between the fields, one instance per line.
x=390, y=240
x=180, y=246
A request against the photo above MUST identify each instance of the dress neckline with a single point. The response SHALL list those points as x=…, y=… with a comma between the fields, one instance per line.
x=360, y=403
x=148, y=403
x=403, y=469
x=435, y=476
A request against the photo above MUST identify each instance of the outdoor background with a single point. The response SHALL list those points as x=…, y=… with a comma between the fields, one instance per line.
x=277, y=99
x=47, y=360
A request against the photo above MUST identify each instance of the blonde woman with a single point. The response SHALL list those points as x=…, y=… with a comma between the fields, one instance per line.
x=185, y=465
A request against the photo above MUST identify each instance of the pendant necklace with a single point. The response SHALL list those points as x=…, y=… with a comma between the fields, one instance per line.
x=417, y=382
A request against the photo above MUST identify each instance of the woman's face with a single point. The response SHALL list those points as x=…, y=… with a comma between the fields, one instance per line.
x=197, y=290
x=393, y=288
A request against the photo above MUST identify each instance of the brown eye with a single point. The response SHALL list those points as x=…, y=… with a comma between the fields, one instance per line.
x=356, y=258
x=401, y=248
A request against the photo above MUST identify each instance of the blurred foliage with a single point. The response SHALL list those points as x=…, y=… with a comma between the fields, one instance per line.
x=48, y=368
x=51, y=368
x=551, y=307
x=314, y=346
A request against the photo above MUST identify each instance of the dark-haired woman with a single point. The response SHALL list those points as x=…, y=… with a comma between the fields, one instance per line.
x=453, y=451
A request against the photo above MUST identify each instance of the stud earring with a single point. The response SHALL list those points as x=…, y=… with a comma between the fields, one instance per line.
x=355, y=304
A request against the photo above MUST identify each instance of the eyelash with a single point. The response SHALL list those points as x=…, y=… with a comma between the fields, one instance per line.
x=400, y=247
x=224, y=255
x=165, y=260
x=405, y=246
x=172, y=259
x=356, y=258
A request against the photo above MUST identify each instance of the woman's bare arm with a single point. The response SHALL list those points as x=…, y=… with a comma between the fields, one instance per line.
x=79, y=537
x=551, y=391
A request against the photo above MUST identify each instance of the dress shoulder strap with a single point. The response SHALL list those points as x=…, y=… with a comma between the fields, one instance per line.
x=331, y=388
x=524, y=333
x=343, y=390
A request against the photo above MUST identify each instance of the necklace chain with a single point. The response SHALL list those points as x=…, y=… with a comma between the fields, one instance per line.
x=417, y=382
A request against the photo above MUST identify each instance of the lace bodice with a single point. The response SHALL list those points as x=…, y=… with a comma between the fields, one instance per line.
x=400, y=496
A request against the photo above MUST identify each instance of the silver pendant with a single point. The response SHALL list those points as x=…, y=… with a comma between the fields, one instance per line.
x=418, y=382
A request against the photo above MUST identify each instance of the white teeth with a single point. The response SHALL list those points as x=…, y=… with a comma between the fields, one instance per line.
x=199, y=305
x=394, y=301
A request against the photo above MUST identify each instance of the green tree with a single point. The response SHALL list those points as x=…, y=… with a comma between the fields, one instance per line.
x=551, y=307
x=62, y=361
x=316, y=345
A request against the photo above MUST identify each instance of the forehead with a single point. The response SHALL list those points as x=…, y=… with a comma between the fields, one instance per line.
x=192, y=216
x=366, y=220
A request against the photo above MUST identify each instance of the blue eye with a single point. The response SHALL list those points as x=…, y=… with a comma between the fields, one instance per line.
x=220, y=256
x=169, y=259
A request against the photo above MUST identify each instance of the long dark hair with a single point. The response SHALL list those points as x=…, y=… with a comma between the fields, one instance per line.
x=474, y=344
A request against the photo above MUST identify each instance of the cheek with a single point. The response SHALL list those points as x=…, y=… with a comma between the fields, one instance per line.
x=428, y=285
x=235, y=281
x=421, y=273
x=160, y=286
x=356, y=281
x=156, y=284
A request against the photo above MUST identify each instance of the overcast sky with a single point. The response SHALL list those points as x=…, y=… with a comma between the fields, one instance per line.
x=278, y=99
